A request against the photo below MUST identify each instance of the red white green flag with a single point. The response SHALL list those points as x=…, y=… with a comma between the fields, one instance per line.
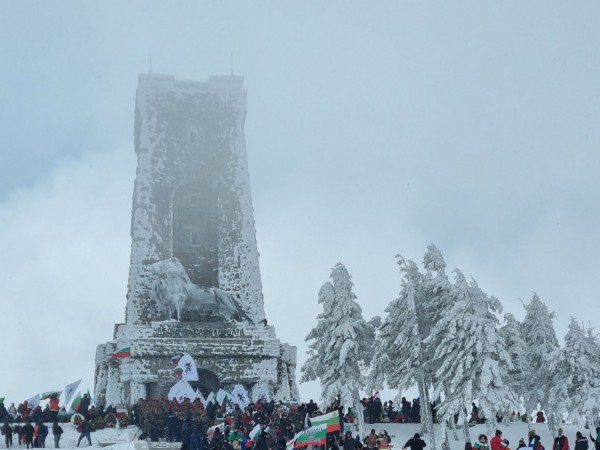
x=312, y=436
x=124, y=352
x=177, y=371
x=47, y=395
x=76, y=402
x=332, y=420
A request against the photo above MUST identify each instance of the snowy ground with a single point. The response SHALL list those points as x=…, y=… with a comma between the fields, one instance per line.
x=126, y=439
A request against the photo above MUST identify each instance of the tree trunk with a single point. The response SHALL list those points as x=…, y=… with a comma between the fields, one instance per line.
x=444, y=435
x=453, y=428
x=360, y=417
x=466, y=428
x=426, y=420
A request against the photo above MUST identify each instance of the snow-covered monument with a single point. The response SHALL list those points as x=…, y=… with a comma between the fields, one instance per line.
x=194, y=279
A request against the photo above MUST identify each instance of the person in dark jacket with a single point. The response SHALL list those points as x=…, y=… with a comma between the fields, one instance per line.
x=581, y=442
x=42, y=432
x=415, y=443
x=27, y=434
x=57, y=432
x=7, y=432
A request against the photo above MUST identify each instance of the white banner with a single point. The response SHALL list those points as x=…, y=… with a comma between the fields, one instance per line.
x=180, y=391
x=211, y=398
x=201, y=397
x=262, y=392
x=70, y=391
x=240, y=396
x=188, y=365
x=222, y=395
x=33, y=401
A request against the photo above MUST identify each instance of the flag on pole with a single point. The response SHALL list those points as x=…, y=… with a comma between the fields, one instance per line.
x=212, y=429
x=239, y=395
x=315, y=435
x=255, y=432
x=188, y=365
x=76, y=402
x=211, y=398
x=182, y=390
x=262, y=393
x=123, y=352
x=70, y=390
x=34, y=401
x=48, y=394
x=331, y=420
x=201, y=397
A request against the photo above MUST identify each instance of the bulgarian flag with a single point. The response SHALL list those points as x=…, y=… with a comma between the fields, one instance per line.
x=47, y=395
x=76, y=402
x=177, y=371
x=124, y=352
x=312, y=436
x=212, y=429
x=255, y=432
x=332, y=420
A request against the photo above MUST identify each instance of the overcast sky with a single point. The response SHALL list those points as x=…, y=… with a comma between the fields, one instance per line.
x=373, y=128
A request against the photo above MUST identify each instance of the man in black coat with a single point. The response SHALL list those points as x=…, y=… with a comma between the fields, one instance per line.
x=415, y=443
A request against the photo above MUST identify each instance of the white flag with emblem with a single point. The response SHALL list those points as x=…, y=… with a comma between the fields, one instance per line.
x=182, y=390
x=70, y=391
x=187, y=364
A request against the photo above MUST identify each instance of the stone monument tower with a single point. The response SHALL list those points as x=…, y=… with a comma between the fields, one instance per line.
x=194, y=279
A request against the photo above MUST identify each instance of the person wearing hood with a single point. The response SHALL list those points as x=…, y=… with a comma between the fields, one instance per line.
x=7, y=432
x=415, y=443
x=581, y=442
x=561, y=442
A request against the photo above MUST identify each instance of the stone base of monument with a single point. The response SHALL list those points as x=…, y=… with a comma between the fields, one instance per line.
x=226, y=354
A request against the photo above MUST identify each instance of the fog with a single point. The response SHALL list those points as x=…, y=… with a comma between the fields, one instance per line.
x=372, y=129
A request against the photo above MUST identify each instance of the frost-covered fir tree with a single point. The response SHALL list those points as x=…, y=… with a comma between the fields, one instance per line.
x=541, y=341
x=575, y=387
x=511, y=331
x=471, y=355
x=342, y=345
x=400, y=359
x=434, y=303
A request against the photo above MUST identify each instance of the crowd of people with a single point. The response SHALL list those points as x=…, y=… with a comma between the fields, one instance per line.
x=259, y=426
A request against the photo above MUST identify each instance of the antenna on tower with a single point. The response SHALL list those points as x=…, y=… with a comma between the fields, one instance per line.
x=150, y=61
x=231, y=62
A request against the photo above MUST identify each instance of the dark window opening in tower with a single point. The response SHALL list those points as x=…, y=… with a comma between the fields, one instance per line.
x=195, y=233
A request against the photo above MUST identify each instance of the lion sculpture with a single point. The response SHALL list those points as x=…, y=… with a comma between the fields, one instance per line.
x=179, y=297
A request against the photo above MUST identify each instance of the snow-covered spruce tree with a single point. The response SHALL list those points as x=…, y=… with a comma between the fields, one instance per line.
x=541, y=341
x=516, y=348
x=471, y=355
x=575, y=388
x=434, y=303
x=342, y=345
x=400, y=358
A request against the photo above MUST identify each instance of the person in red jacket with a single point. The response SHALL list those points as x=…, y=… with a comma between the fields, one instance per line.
x=560, y=442
x=53, y=407
x=496, y=441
